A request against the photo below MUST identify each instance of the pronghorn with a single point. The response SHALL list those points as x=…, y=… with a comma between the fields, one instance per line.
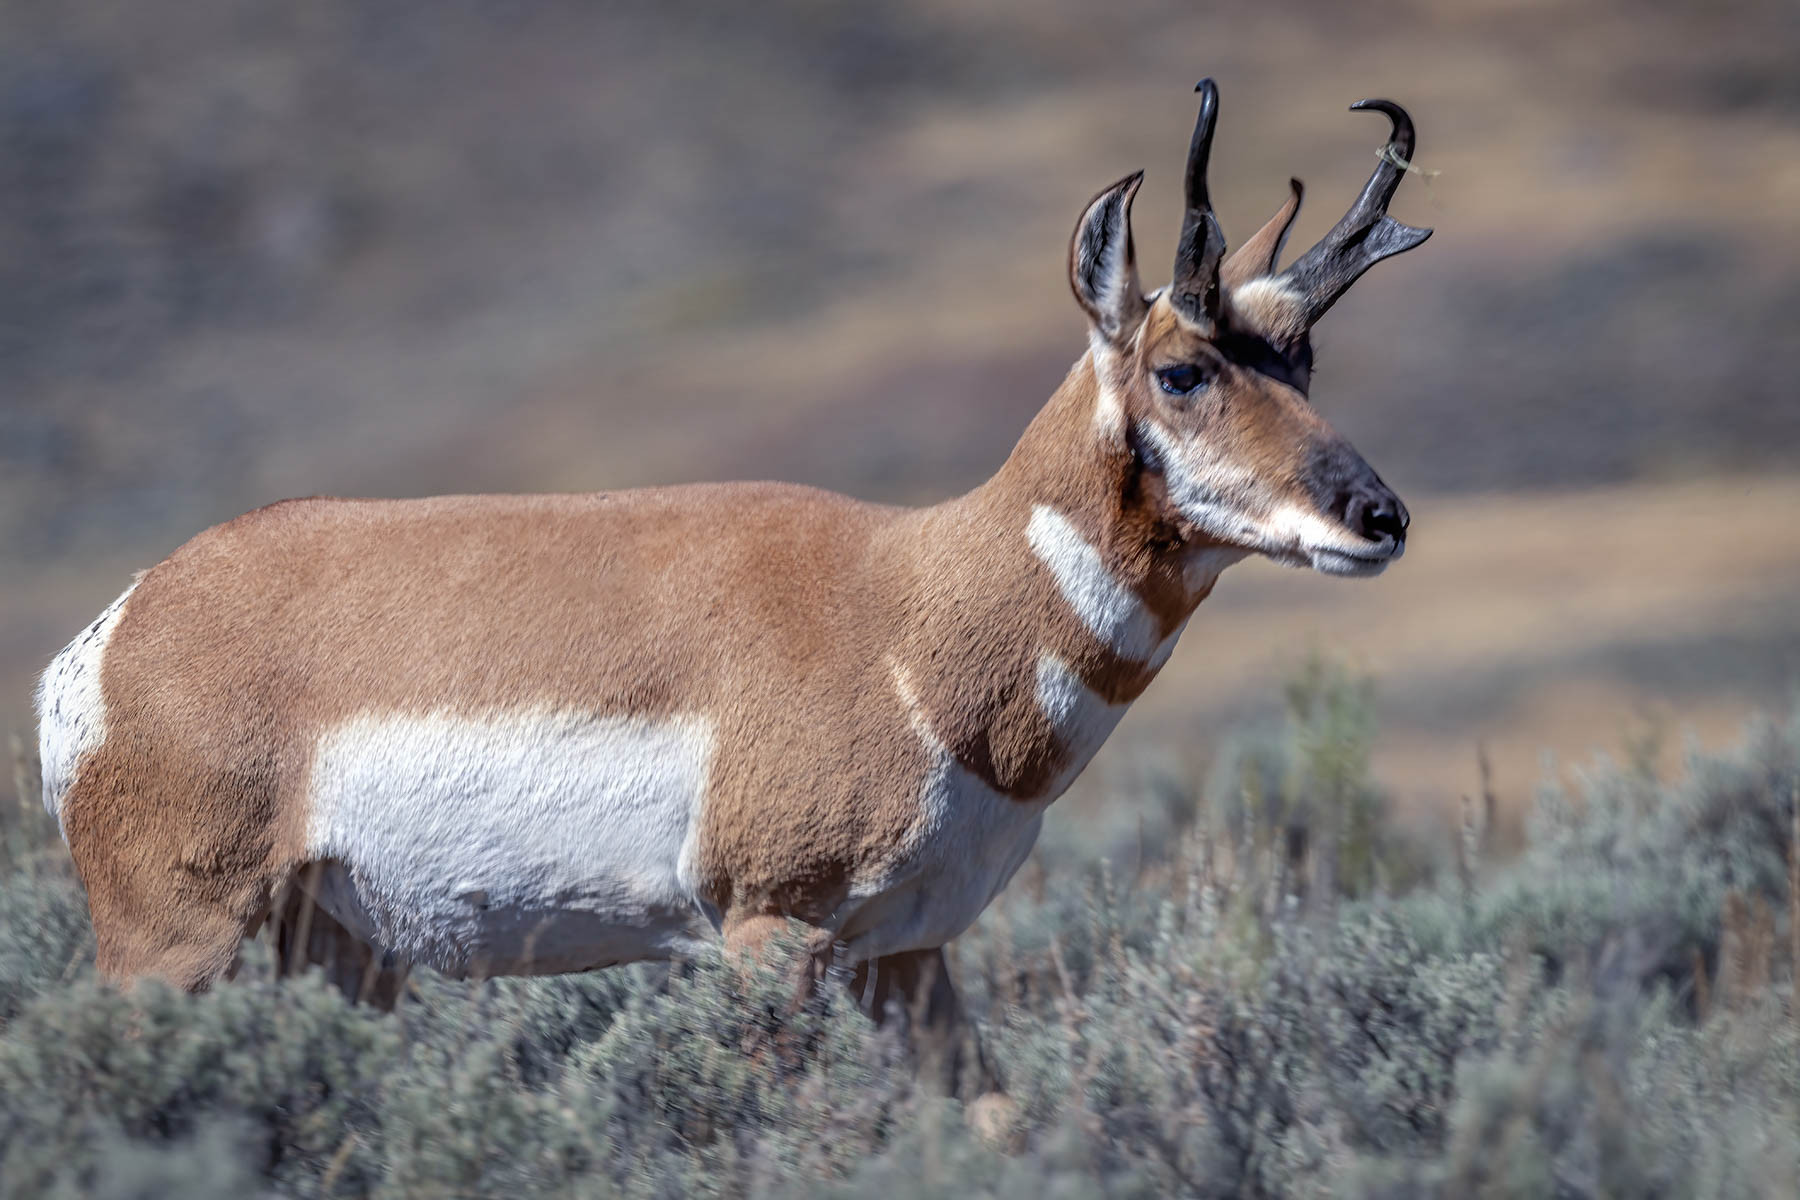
x=550, y=733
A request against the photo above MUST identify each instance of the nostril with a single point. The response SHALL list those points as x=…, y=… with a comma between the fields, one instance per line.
x=1376, y=515
x=1384, y=521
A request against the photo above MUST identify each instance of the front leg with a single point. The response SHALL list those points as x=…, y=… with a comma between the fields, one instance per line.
x=914, y=989
x=747, y=941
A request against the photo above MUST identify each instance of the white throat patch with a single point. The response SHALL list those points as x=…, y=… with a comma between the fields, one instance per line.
x=1113, y=612
x=1080, y=716
x=965, y=845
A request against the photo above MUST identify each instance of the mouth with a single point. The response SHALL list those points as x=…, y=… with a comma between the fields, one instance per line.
x=1355, y=564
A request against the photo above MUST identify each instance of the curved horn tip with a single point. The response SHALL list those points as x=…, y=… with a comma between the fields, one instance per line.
x=1209, y=99
x=1403, y=135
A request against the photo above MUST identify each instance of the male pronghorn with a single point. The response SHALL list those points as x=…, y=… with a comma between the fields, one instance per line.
x=536, y=734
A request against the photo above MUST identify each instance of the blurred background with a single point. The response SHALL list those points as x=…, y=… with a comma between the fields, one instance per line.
x=250, y=251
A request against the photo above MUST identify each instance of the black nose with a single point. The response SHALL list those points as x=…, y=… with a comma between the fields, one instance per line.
x=1375, y=512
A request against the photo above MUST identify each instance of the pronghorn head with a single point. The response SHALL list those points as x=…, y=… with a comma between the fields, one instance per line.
x=1206, y=381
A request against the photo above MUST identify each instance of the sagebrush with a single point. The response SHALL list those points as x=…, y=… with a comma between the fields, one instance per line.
x=1283, y=994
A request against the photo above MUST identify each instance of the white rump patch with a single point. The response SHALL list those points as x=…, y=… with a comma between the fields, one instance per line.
x=524, y=842
x=70, y=710
x=1112, y=611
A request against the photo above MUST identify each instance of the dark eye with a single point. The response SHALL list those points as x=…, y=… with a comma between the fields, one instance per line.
x=1184, y=378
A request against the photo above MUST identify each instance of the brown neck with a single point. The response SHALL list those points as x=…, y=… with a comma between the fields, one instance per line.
x=1055, y=578
x=1065, y=460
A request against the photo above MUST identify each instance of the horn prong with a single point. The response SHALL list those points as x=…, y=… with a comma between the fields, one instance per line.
x=1366, y=234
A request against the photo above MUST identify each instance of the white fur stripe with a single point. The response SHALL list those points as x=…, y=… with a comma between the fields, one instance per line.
x=1216, y=496
x=966, y=843
x=1080, y=715
x=1113, y=612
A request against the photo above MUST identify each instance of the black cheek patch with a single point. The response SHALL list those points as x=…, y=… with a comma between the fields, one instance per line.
x=1258, y=354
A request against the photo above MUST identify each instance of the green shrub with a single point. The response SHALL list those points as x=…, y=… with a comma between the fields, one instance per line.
x=1295, y=804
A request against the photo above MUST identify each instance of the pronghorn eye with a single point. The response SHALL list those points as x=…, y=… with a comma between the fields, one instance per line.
x=1183, y=379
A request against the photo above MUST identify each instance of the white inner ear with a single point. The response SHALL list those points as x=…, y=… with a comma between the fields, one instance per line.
x=1113, y=280
x=1106, y=275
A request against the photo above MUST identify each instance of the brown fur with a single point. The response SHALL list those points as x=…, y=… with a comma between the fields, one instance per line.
x=1262, y=425
x=775, y=609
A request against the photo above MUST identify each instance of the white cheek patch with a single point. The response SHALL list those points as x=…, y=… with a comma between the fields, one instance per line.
x=70, y=709
x=1216, y=497
x=1113, y=612
x=1310, y=531
x=1222, y=501
x=514, y=842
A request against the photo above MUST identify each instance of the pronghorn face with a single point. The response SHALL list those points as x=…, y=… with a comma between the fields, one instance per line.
x=1206, y=381
x=1220, y=417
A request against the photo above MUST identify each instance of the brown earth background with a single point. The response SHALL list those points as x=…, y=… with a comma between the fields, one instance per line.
x=254, y=251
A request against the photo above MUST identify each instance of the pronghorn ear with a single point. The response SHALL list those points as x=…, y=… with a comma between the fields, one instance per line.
x=1103, y=264
x=1257, y=257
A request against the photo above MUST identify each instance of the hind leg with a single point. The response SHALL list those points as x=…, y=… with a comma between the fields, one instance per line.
x=167, y=900
x=151, y=923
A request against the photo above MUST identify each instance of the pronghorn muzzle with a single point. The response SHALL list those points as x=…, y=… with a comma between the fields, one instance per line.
x=1347, y=490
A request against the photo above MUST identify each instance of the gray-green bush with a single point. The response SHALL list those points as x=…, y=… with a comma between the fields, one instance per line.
x=1280, y=994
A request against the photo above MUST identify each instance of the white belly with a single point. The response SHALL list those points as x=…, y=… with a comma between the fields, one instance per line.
x=514, y=843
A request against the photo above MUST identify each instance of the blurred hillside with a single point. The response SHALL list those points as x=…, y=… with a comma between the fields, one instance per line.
x=252, y=251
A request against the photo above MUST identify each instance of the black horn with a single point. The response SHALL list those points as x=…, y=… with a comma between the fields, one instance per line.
x=1195, y=291
x=1367, y=234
